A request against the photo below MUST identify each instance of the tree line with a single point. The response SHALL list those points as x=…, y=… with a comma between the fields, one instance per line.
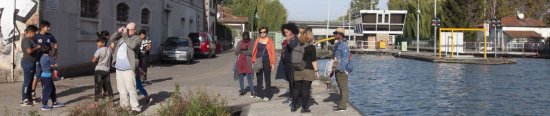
x=465, y=13
x=269, y=13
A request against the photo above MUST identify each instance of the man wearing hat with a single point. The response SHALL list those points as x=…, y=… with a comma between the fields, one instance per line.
x=342, y=55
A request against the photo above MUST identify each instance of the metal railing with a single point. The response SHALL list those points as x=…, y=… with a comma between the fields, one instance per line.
x=363, y=46
x=477, y=47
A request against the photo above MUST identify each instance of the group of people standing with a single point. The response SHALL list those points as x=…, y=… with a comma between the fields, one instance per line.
x=39, y=49
x=125, y=51
x=298, y=65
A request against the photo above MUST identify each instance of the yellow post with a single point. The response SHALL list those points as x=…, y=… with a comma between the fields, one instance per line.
x=439, y=42
x=484, y=44
x=452, y=43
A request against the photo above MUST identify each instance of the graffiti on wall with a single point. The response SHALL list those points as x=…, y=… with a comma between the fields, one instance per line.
x=13, y=12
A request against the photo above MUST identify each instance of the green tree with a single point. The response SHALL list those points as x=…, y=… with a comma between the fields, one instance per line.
x=426, y=14
x=272, y=14
x=269, y=13
x=536, y=9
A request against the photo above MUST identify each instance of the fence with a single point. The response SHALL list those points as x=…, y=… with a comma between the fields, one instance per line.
x=477, y=47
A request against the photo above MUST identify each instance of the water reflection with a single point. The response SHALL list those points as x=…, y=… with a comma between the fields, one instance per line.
x=384, y=85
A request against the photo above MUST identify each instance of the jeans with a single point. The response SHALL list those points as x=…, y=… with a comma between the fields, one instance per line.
x=139, y=86
x=29, y=68
x=143, y=64
x=48, y=91
x=342, y=80
x=264, y=73
x=250, y=83
x=102, y=80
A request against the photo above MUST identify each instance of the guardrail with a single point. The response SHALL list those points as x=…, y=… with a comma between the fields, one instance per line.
x=477, y=47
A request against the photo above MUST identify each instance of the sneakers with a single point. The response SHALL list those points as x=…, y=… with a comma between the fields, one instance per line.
x=339, y=110
x=148, y=101
x=288, y=100
x=256, y=98
x=25, y=102
x=266, y=99
x=46, y=108
x=58, y=104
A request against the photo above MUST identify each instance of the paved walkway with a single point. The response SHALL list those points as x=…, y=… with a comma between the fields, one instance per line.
x=212, y=74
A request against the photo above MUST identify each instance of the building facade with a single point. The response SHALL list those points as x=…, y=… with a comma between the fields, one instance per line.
x=74, y=24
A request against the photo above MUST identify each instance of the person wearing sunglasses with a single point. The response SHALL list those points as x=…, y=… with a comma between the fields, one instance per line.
x=264, y=51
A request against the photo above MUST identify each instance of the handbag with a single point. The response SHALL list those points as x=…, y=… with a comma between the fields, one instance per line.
x=258, y=65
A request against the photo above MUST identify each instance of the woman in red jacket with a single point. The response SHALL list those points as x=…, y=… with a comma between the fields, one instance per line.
x=264, y=52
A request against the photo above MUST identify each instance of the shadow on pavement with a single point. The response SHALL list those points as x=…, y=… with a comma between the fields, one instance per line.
x=334, y=97
x=74, y=91
x=157, y=98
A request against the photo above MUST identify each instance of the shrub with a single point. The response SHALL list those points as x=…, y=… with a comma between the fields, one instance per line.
x=90, y=108
x=194, y=103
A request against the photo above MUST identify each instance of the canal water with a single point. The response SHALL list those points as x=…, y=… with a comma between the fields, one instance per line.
x=385, y=85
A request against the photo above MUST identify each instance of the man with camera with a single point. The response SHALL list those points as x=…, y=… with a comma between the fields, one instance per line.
x=124, y=60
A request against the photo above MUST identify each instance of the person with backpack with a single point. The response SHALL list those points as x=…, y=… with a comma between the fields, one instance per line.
x=264, y=52
x=342, y=56
x=304, y=60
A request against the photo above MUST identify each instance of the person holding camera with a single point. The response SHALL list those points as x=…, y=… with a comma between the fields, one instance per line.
x=244, y=64
x=124, y=59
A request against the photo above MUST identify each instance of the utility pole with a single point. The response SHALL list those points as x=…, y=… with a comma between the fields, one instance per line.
x=417, y=26
x=435, y=28
x=328, y=19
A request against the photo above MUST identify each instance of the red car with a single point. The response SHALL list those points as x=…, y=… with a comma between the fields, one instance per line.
x=203, y=44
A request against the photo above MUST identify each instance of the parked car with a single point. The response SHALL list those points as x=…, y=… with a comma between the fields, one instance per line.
x=177, y=49
x=203, y=44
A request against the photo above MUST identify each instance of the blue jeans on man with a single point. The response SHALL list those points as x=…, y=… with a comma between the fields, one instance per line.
x=29, y=68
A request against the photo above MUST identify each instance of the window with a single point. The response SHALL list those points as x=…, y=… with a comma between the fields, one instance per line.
x=122, y=12
x=88, y=8
x=145, y=16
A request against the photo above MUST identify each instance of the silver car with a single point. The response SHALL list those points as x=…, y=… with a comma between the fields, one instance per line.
x=177, y=49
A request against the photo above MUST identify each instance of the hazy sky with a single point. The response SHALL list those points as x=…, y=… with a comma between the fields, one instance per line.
x=316, y=10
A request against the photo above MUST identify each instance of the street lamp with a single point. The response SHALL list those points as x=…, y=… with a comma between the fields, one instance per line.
x=496, y=23
x=435, y=27
x=418, y=26
x=328, y=18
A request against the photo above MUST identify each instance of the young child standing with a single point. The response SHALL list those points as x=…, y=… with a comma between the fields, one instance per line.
x=47, y=64
x=102, y=57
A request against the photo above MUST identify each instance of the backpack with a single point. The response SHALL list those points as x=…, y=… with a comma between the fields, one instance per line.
x=298, y=57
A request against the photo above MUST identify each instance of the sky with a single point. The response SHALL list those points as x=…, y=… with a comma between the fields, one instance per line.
x=316, y=10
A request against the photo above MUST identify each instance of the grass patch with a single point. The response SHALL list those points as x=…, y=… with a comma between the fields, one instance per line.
x=195, y=103
x=104, y=108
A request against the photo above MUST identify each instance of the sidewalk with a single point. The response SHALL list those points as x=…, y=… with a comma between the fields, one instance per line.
x=211, y=74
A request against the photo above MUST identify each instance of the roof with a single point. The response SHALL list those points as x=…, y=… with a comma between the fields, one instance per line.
x=514, y=21
x=523, y=34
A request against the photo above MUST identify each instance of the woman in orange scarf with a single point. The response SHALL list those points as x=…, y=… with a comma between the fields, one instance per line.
x=264, y=52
